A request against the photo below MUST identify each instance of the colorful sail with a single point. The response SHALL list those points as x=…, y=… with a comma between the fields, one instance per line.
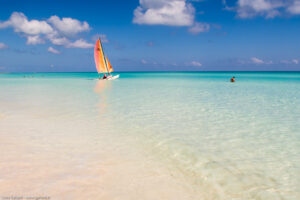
x=110, y=69
x=99, y=58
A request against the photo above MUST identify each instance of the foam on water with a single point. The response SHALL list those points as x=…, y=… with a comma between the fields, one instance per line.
x=151, y=135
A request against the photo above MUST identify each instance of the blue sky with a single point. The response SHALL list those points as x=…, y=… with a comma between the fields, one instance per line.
x=150, y=35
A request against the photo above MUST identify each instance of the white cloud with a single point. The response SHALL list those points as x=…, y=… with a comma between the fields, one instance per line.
x=164, y=12
x=103, y=38
x=295, y=61
x=57, y=39
x=251, y=8
x=68, y=26
x=265, y=8
x=80, y=44
x=63, y=41
x=19, y=22
x=257, y=60
x=258, y=5
x=36, y=39
x=288, y=62
x=196, y=64
x=150, y=44
x=199, y=28
x=285, y=61
x=143, y=61
x=52, y=50
x=57, y=31
x=269, y=62
x=294, y=8
x=3, y=46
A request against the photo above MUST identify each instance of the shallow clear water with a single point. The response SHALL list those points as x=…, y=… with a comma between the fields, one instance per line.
x=150, y=135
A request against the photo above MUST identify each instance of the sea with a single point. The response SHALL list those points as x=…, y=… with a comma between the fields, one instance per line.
x=154, y=135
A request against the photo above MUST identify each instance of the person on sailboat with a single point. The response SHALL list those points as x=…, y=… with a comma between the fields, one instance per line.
x=104, y=76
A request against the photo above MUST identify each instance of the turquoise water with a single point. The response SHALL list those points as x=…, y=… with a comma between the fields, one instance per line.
x=195, y=133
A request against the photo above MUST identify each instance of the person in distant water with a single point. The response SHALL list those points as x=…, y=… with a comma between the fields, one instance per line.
x=104, y=77
x=232, y=79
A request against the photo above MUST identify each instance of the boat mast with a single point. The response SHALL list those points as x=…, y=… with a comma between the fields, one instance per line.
x=104, y=56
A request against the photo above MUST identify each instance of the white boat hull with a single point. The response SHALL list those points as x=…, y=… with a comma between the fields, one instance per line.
x=109, y=78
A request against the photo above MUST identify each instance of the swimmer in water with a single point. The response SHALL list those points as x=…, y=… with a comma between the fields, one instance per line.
x=232, y=79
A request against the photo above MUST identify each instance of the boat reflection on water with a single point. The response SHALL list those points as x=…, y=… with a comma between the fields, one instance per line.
x=102, y=88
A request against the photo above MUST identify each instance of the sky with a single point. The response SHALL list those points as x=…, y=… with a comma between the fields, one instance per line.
x=150, y=35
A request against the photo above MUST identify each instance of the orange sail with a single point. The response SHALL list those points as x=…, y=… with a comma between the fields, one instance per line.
x=99, y=58
x=110, y=69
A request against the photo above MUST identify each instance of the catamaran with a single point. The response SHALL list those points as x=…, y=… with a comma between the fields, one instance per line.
x=102, y=63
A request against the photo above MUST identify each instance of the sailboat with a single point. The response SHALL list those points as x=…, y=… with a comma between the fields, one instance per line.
x=102, y=63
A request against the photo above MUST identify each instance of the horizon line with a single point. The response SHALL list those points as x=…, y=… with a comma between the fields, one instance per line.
x=216, y=71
